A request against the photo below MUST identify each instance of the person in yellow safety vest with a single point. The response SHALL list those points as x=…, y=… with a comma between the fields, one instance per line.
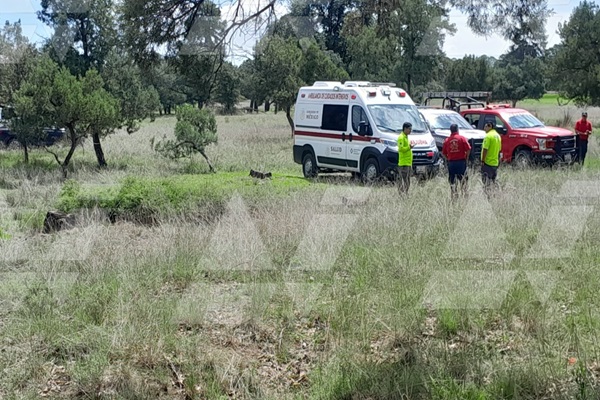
x=490, y=157
x=405, y=158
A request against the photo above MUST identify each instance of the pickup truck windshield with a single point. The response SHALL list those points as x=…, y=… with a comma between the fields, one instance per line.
x=443, y=121
x=523, y=121
x=391, y=117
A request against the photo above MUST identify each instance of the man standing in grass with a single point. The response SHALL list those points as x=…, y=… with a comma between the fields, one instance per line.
x=456, y=151
x=405, y=158
x=490, y=157
x=583, y=130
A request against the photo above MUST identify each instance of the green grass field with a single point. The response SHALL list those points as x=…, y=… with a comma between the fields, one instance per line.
x=218, y=286
x=548, y=99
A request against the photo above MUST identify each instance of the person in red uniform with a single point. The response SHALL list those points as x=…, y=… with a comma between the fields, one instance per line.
x=456, y=151
x=583, y=130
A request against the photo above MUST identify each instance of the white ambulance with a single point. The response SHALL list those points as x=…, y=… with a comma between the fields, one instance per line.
x=354, y=127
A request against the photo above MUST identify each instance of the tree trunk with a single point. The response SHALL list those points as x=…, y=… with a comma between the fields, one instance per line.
x=200, y=104
x=98, y=150
x=514, y=103
x=267, y=106
x=276, y=108
x=288, y=114
x=74, y=141
x=210, y=166
x=25, y=153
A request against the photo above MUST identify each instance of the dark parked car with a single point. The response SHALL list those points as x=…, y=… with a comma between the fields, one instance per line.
x=52, y=136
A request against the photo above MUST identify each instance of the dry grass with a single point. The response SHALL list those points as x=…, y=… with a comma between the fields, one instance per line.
x=319, y=294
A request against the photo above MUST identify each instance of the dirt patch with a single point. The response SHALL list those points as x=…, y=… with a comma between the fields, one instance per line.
x=281, y=358
x=58, y=381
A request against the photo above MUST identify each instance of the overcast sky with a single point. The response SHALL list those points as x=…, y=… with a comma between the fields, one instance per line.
x=462, y=43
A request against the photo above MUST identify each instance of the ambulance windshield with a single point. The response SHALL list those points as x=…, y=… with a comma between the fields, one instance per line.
x=391, y=117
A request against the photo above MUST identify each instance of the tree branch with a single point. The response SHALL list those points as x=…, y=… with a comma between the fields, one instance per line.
x=237, y=24
x=54, y=154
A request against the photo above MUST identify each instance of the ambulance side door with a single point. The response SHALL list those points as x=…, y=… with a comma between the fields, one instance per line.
x=356, y=143
x=331, y=150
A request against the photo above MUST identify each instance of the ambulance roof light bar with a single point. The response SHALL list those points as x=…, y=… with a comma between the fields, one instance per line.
x=368, y=84
x=356, y=84
x=328, y=84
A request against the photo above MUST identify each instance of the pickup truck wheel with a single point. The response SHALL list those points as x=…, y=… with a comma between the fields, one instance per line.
x=309, y=165
x=13, y=145
x=370, y=171
x=523, y=159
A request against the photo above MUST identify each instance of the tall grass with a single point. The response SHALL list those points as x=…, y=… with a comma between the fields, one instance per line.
x=239, y=306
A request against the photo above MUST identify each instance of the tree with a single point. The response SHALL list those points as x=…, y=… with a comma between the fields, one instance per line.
x=136, y=101
x=84, y=32
x=519, y=21
x=370, y=56
x=195, y=130
x=318, y=64
x=520, y=73
x=250, y=84
x=420, y=28
x=518, y=82
x=58, y=98
x=469, y=73
x=168, y=83
x=279, y=62
x=200, y=57
x=28, y=129
x=16, y=60
x=152, y=25
x=227, y=92
x=576, y=65
x=323, y=20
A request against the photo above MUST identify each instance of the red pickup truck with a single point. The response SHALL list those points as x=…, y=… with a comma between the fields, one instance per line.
x=525, y=139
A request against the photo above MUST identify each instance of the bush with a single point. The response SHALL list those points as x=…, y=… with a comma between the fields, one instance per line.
x=144, y=199
x=195, y=130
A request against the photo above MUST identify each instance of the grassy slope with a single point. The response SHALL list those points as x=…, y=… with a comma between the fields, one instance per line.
x=186, y=309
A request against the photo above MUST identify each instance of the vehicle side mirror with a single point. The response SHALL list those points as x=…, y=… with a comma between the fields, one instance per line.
x=474, y=126
x=501, y=130
x=363, y=129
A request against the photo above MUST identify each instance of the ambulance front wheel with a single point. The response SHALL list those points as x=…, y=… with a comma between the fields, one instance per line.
x=309, y=165
x=370, y=170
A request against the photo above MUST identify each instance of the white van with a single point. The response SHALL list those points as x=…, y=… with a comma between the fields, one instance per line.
x=354, y=127
x=439, y=121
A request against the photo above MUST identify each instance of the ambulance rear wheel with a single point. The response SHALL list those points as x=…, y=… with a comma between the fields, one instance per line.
x=370, y=171
x=309, y=165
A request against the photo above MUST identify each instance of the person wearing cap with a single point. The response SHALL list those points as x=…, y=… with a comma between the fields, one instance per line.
x=490, y=156
x=455, y=150
x=583, y=130
x=405, y=158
